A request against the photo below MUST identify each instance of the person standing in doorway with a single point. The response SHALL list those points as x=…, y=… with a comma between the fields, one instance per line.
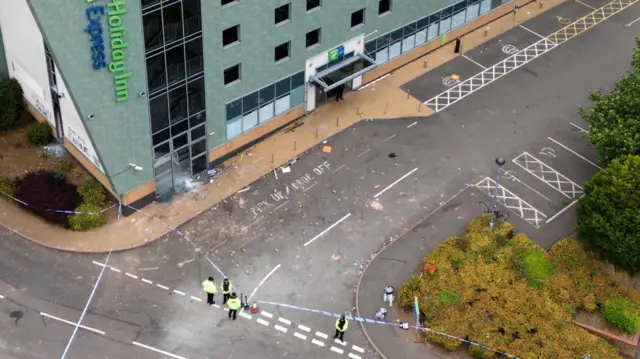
x=226, y=290
x=209, y=287
x=234, y=304
x=339, y=92
x=341, y=326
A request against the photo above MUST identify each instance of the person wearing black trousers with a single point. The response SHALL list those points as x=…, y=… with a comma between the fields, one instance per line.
x=339, y=92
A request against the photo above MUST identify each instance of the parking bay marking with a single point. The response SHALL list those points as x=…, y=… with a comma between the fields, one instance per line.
x=574, y=152
x=72, y=323
x=514, y=203
x=328, y=229
x=548, y=175
x=510, y=176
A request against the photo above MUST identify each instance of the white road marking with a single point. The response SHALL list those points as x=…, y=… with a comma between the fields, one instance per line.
x=302, y=327
x=245, y=315
x=338, y=169
x=585, y=4
x=353, y=356
x=310, y=187
x=1, y=296
x=328, y=229
x=390, y=137
x=196, y=298
x=395, y=183
x=146, y=281
x=178, y=292
x=578, y=127
x=181, y=264
x=262, y=282
x=275, y=173
x=158, y=350
x=632, y=22
x=563, y=210
x=531, y=31
x=98, y=263
x=282, y=329
x=336, y=340
x=357, y=348
x=147, y=269
x=163, y=287
x=285, y=321
x=263, y=322
x=363, y=153
x=574, y=152
x=281, y=205
x=468, y=58
x=317, y=342
x=131, y=275
x=71, y=323
x=266, y=314
x=301, y=336
x=217, y=306
x=115, y=269
x=337, y=350
x=509, y=175
x=322, y=335
x=413, y=124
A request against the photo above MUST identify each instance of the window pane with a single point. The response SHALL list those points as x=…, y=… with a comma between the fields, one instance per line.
x=266, y=112
x=409, y=29
x=161, y=165
x=231, y=35
x=281, y=14
x=198, y=165
x=191, y=12
x=195, y=64
x=234, y=128
x=197, y=119
x=178, y=104
x=198, y=147
x=357, y=18
x=458, y=19
x=198, y=132
x=161, y=150
x=472, y=12
x=172, y=16
x=249, y=120
x=152, y=24
x=382, y=41
x=282, y=105
x=396, y=35
x=422, y=23
x=196, y=96
x=408, y=43
x=250, y=102
x=175, y=65
x=313, y=37
x=445, y=25
x=234, y=109
x=180, y=141
x=283, y=87
x=384, y=6
x=267, y=94
x=232, y=74
x=485, y=6
x=297, y=80
x=421, y=37
x=312, y=4
x=161, y=136
x=148, y=3
x=159, y=113
x=179, y=128
x=433, y=31
x=297, y=97
x=156, y=74
x=370, y=47
x=281, y=52
x=459, y=6
x=382, y=56
x=395, y=49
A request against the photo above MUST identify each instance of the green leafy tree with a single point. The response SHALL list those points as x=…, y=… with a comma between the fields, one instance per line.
x=614, y=119
x=609, y=213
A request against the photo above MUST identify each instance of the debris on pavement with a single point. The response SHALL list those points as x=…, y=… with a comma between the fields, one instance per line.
x=326, y=149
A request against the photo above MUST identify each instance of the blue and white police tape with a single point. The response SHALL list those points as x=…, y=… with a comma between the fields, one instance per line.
x=54, y=210
x=399, y=325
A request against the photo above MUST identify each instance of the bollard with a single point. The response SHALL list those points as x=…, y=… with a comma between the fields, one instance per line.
x=271, y=157
x=385, y=107
x=486, y=31
x=294, y=145
x=425, y=63
x=316, y=131
x=358, y=111
x=419, y=106
x=408, y=94
x=337, y=121
x=541, y=4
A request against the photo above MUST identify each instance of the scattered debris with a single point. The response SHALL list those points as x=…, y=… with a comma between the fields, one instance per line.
x=326, y=149
x=455, y=77
x=54, y=150
x=377, y=206
x=392, y=155
x=244, y=189
x=285, y=169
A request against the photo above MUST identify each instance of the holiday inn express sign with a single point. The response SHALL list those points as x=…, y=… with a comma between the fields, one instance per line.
x=116, y=39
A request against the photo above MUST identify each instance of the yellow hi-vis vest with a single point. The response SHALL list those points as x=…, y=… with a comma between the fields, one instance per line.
x=233, y=303
x=344, y=328
x=228, y=291
x=209, y=287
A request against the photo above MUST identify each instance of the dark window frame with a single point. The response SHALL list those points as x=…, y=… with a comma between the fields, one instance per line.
x=317, y=31
x=359, y=17
x=237, y=36
x=239, y=76
x=287, y=47
x=278, y=11
x=315, y=5
x=384, y=7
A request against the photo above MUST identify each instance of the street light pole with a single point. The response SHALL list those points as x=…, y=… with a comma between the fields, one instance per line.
x=500, y=162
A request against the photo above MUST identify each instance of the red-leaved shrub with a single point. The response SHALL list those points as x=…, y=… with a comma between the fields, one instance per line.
x=43, y=191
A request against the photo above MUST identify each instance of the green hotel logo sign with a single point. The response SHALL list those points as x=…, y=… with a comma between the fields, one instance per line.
x=336, y=54
x=116, y=38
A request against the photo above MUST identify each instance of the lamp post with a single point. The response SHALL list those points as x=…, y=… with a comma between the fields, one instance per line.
x=500, y=162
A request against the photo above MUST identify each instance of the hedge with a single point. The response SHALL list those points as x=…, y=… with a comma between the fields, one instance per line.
x=85, y=221
x=10, y=103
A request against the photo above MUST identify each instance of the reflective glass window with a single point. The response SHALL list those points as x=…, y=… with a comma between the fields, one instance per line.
x=159, y=113
x=175, y=65
x=172, y=16
x=178, y=104
x=267, y=94
x=196, y=96
x=161, y=136
x=191, y=16
x=156, y=74
x=234, y=109
x=195, y=61
x=152, y=26
x=250, y=102
x=283, y=87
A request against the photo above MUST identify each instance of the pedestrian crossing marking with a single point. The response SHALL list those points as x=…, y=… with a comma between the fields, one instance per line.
x=301, y=336
x=357, y=348
x=317, y=342
x=322, y=335
x=337, y=350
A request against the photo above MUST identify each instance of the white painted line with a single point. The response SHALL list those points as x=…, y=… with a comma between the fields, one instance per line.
x=196, y=298
x=322, y=335
x=281, y=205
x=285, y=321
x=275, y=173
x=225, y=309
x=336, y=340
x=115, y=269
x=131, y=275
x=574, y=152
x=372, y=82
x=263, y=322
x=468, y=58
x=632, y=22
x=585, y=4
x=328, y=229
x=337, y=350
x=282, y=329
x=302, y=327
x=563, y=210
x=578, y=127
x=353, y=356
x=531, y=31
x=310, y=187
x=178, y=292
x=1, y=296
x=338, y=169
x=317, y=342
x=163, y=287
x=357, y=348
x=266, y=314
x=413, y=124
x=72, y=323
x=146, y=281
x=363, y=153
x=508, y=175
x=301, y=336
x=217, y=306
x=395, y=183
x=390, y=137
x=262, y=282
x=245, y=315
x=158, y=350
x=98, y=263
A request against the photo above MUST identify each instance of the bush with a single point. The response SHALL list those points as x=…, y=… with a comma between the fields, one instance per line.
x=64, y=167
x=7, y=185
x=84, y=222
x=10, y=103
x=535, y=267
x=93, y=193
x=44, y=191
x=38, y=134
x=615, y=312
x=449, y=297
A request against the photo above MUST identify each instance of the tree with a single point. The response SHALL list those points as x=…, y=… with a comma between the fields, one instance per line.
x=10, y=103
x=614, y=119
x=609, y=213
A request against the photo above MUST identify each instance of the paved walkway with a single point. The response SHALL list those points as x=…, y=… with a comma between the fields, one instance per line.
x=385, y=100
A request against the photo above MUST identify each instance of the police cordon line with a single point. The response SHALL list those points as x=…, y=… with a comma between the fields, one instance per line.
x=55, y=210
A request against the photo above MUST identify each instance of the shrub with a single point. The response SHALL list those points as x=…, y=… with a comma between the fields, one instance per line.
x=38, y=134
x=535, y=267
x=44, y=192
x=10, y=103
x=615, y=312
x=7, y=185
x=84, y=222
x=449, y=297
x=93, y=193
x=64, y=167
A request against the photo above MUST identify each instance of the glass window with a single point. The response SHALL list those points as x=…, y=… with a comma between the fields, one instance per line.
x=297, y=80
x=250, y=102
x=191, y=16
x=408, y=43
x=382, y=41
x=445, y=22
x=313, y=37
x=357, y=18
x=433, y=31
x=196, y=96
x=234, y=109
x=161, y=150
x=232, y=74
x=175, y=65
x=159, y=113
x=485, y=6
x=231, y=35
x=396, y=35
x=370, y=47
x=162, y=165
x=198, y=147
x=147, y=3
x=267, y=94
x=152, y=24
x=282, y=51
x=395, y=50
x=313, y=4
x=161, y=136
x=198, y=132
x=384, y=6
x=234, y=128
x=458, y=19
x=459, y=6
x=156, y=73
x=227, y=2
x=422, y=23
x=382, y=56
x=297, y=97
x=249, y=121
x=283, y=87
x=409, y=29
x=179, y=128
x=180, y=141
x=197, y=119
x=282, y=104
x=472, y=11
x=199, y=164
x=282, y=13
x=178, y=104
x=266, y=112
x=421, y=37
x=172, y=16
x=195, y=63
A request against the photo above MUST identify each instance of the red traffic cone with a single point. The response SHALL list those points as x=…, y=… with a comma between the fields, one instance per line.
x=254, y=307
